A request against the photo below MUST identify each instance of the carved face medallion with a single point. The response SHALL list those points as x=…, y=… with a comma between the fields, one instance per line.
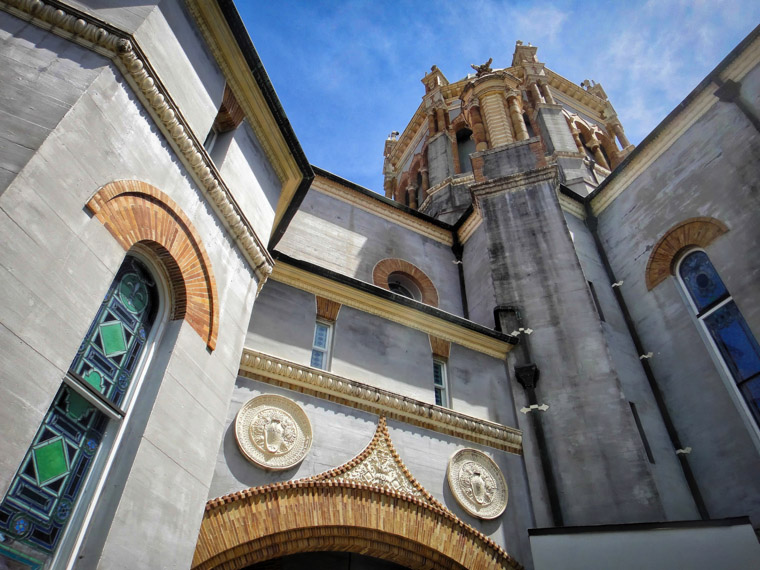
x=273, y=432
x=477, y=484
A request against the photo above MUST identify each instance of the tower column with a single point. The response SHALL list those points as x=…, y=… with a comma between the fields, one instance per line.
x=441, y=117
x=620, y=134
x=547, y=92
x=425, y=180
x=478, y=130
x=521, y=131
x=536, y=93
x=577, y=139
x=499, y=127
x=596, y=147
x=431, y=123
x=411, y=193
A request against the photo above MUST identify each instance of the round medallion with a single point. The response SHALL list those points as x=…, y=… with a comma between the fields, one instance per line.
x=273, y=432
x=477, y=484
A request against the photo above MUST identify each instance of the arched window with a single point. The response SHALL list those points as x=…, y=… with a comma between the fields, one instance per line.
x=728, y=331
x=465, y=147
x=402, y=284
x=66, y=456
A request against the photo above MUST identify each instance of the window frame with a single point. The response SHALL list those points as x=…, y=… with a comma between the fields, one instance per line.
x=327, y=349
x=93, y=487
x=444, y=386
x=724, y=370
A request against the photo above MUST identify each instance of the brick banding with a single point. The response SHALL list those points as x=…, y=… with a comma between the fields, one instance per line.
x=385, y=267
x=136, y=212
x=694, y=232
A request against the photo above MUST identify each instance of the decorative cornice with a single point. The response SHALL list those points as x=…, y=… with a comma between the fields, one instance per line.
x=625, y=176
x=380, y=209
x=301, y=378
x=387, y=309
x=515, y=182
x=577, y=93
x=571, y=206
x=470, y=225
x=126, y=54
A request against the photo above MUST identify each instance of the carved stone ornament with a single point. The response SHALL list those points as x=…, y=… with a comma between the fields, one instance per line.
x=273, y=432
x=477, y=484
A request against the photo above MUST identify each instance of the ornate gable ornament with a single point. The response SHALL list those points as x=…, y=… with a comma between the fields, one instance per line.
x=380, y=466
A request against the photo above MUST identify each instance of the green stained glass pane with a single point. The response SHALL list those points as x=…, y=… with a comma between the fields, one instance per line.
x=76, y=406
x=112, y=336
x=50, y=461
x=94, y=379
x=133, y=292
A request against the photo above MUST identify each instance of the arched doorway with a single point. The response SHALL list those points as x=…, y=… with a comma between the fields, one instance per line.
x=348, y=509
x=327, y=561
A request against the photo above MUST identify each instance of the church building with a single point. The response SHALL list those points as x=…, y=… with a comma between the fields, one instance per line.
x=535, y=347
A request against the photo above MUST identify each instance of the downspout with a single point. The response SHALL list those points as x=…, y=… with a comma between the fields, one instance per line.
x=592, y=224
x=458, y=249
x=527, y=374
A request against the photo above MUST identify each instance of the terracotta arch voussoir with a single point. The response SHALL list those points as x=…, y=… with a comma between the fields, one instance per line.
x=308, y=516
x=694, y=232
x=385, y=267
x=136, y=212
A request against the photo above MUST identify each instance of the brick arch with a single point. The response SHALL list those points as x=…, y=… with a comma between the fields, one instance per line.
x=268, y=522
x=385, y=267
x=694, y=232
x=136, y=212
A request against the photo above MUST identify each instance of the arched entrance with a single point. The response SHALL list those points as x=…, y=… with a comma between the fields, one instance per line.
x=370, y=506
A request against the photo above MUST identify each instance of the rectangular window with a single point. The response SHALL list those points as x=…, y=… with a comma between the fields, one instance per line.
x=320, y=348
x=440, y=384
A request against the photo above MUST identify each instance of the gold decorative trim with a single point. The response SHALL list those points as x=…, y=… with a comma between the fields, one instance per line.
x=224, y=46
x=328, y=386
x=396, y=312
x=744, y=63
x=124, y=51
x=382, y=210
x=571, y=206
x=648, y=154
x=470, y=225
x=379, y=465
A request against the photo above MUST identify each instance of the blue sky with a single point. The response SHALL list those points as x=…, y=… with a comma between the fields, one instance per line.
x=348, y=73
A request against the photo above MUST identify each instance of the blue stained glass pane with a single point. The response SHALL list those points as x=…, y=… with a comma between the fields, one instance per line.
x=438, y=397
x=751, y=391
x=437, y=374
x=317, y=359
x=320, y=336
x=701, y=279
x=735, y=341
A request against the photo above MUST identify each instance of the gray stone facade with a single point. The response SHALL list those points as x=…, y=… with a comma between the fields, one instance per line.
x=540, y=330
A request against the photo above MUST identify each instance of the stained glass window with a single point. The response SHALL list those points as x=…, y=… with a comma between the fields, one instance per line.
x=42, y=496
x=724, y=322
x=439, y=383
x=320, y=349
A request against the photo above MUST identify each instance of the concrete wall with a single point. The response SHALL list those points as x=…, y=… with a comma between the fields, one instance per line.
x=709, y=171
x=481, y=299
x=599, y=464
x=95, y=132
x=731, y=547
x=668, y=475
x=338, y=236
x=33, y=103
x=379, y=352
x=340, y=433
